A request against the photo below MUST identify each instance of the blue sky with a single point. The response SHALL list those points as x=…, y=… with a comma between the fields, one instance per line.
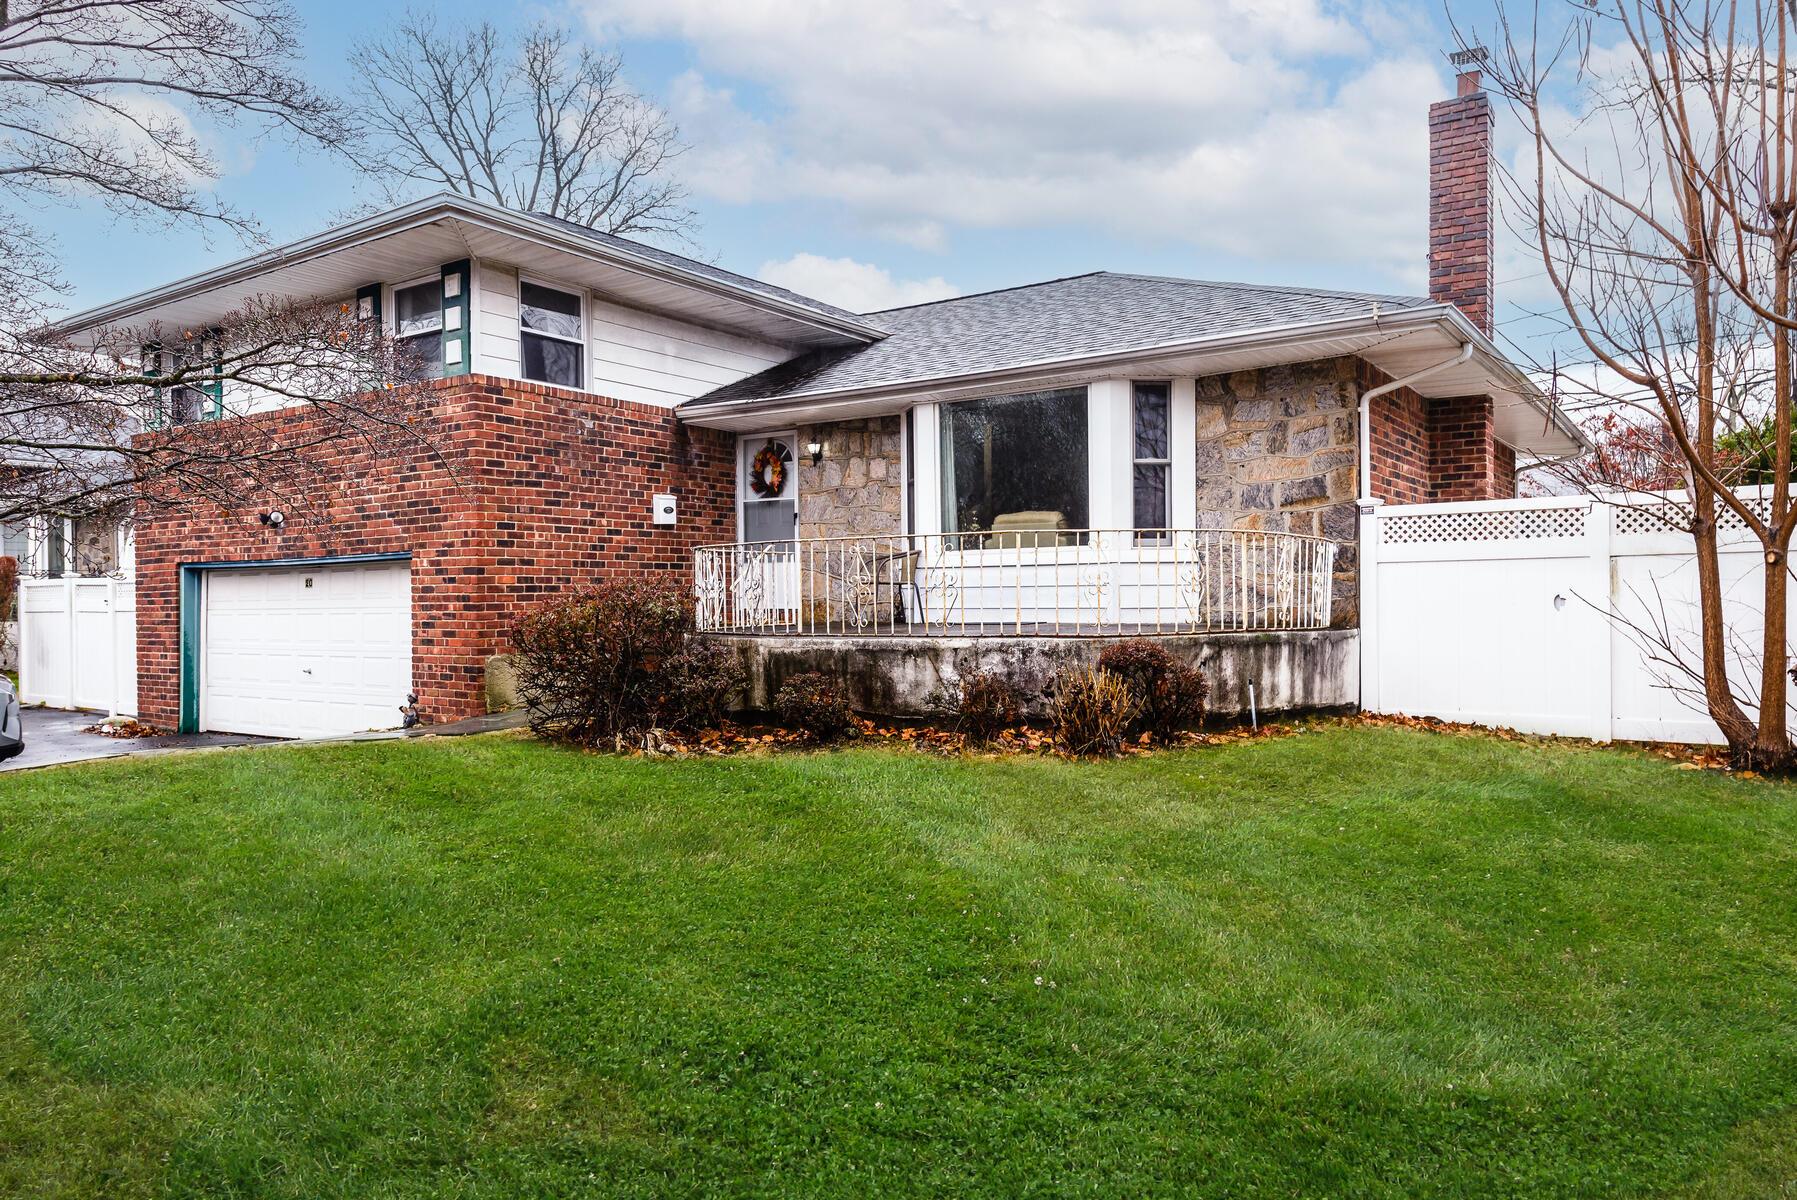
x=901, y=151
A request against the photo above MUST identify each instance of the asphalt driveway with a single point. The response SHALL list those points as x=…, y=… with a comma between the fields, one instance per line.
x=53, y=735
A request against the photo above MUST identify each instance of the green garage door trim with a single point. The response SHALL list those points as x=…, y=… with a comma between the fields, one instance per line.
x=192, y=598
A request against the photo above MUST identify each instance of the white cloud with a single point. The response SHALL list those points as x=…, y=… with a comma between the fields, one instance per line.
x=1219, y=122
x=857, y=286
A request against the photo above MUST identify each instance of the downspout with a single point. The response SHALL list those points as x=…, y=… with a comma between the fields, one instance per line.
x=1366, y=411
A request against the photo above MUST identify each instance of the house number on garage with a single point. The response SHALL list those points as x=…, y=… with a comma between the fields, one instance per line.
x=308, y=581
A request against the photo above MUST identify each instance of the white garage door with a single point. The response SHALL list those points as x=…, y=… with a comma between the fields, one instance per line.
x=306, y=651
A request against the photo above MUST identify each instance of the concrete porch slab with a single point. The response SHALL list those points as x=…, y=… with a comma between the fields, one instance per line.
x=894, y=676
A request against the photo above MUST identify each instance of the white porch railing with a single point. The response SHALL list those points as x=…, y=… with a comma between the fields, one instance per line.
x=1047, y=583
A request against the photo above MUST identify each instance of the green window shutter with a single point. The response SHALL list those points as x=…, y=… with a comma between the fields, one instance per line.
x=152, y=367
x=214, y=387
x=457, y=283
x=368, y=302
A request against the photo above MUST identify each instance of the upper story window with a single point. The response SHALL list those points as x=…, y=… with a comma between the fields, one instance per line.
x=550, y=332
x=418, y=323
x=188, y=402
x=1153, y=464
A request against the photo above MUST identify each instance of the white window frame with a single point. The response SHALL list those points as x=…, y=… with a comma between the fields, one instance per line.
x=390, y=318
x=36, y=544
x=580, y=298
x=1134, y=462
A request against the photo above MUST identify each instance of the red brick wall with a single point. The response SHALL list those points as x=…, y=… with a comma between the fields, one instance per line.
x=1435, y=450
x=1460, y=216
x=524, y=490
x=1399, y=432
x=1503, y=473
x=1468, y=463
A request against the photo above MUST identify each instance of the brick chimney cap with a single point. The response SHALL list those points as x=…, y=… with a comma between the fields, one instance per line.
x=1472, y=56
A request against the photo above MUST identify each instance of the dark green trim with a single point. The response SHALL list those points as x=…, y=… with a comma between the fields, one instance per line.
x=370, y=292
x=190, y=650
x=214, y=350
x=151, y=362
x=456, y=311
x=192, y=602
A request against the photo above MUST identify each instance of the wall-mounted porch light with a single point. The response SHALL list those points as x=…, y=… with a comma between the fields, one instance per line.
x=816, y=451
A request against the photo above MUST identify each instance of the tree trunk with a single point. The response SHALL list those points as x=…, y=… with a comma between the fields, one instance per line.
x=1737, y=729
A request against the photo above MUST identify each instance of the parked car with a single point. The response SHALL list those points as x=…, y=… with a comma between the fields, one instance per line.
x=12, y=732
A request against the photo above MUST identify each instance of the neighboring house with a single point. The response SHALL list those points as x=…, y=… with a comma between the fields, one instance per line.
x=89, y=545
x=1108, y=453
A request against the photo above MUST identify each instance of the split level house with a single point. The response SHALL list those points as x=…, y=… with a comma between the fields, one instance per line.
x=1007, y=476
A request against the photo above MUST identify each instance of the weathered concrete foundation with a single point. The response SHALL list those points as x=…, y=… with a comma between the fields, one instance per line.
x=894, y=676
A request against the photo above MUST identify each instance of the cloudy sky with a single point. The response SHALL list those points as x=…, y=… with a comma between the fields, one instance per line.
x=882, y=154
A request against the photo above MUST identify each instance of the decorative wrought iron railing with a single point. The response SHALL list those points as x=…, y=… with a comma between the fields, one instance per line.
x=1046, y=583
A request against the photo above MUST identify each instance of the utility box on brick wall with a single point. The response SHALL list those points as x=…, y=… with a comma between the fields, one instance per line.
x=666, y=511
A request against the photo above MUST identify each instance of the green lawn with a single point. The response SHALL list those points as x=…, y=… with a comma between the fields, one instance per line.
x=1355, y=962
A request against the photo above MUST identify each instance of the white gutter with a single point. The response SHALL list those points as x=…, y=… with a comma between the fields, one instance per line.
x=1366, y=409
x=1358, y=324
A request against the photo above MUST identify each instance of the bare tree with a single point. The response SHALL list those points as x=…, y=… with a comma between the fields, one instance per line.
x=78, y=424
x=541, y=124
x=1660, y=192
x=99, y=101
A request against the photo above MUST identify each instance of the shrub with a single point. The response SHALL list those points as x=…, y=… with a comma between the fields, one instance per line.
x=617, y=660
x=699, y=682
x=1091, y=710
x=980, y=704
x=814, y=703
x=9, y=587
x=1172, y=694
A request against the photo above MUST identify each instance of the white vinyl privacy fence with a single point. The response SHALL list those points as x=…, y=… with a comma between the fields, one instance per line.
x=78, y=643
x=1518, y=613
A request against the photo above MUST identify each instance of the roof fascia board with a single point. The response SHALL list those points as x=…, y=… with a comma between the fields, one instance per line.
x=1269, y=337
x=1374, y=321
x=435, y=208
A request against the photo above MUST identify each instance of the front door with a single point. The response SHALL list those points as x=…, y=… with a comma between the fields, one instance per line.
x=766, y=588
x=769, y=487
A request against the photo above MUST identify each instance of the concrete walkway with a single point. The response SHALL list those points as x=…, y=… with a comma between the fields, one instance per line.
x=54, y=736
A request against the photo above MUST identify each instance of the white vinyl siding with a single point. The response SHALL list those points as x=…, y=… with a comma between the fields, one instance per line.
x=496, y=320
x=653, y=359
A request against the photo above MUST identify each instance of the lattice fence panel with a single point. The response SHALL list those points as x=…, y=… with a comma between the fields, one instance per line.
x=1509, y=525
x=1650, y=519
x=1668, y=517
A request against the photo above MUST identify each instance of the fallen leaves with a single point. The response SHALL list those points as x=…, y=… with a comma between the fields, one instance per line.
x=124, y=727
x=1023, y=739
x=1688, y=757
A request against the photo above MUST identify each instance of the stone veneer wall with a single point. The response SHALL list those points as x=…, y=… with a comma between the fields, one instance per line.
x=1276, y=451
x=859, y=487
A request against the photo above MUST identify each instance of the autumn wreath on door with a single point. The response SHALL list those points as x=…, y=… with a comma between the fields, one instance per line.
x=767, y=473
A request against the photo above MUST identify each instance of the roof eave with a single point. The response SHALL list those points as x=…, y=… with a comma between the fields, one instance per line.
x=1387, y=321
x=462, y=208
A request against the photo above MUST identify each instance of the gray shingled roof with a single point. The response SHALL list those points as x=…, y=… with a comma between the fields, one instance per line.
x=695, y=267
x=1098, y=313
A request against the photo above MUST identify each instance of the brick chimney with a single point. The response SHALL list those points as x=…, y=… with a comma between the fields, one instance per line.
x=1460, y=214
